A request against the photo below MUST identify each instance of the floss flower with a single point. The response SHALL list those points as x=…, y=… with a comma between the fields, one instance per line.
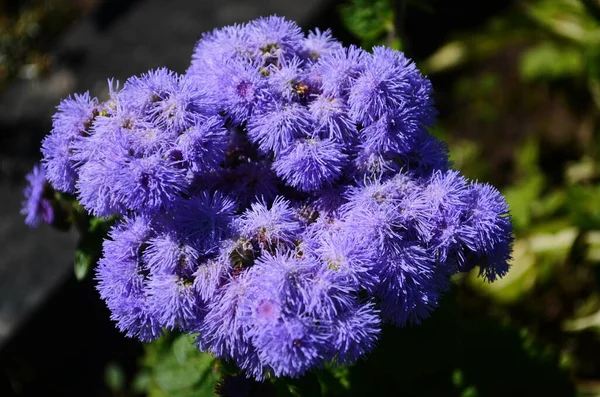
x=37, y=207
x=283, y=198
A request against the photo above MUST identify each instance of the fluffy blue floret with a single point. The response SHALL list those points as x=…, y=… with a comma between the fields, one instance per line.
x=36, y=207
x=71, y=123
x=311, y=164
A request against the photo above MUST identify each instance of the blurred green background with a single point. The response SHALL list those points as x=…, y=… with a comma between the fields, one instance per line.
x=518, y=92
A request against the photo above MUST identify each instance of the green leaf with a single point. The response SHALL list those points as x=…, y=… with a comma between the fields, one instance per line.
x=566, y=18
x=521, y=199
x=82, y=263
x=584, y=206
x=183, y=348
x=89, y=247
x=548, y=61
x=372, y=21
x=114, y=377
x=177, y=368
x=171, y=376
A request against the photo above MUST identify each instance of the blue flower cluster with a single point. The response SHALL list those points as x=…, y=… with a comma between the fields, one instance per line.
x=282, y=199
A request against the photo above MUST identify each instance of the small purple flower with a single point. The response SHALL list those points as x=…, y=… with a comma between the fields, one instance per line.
x=72, y=122
x=388, y=84
x=350, y=260
x=278, y=125
x=318, y=43
x=331, y=115
x=273, y=227
x=218, y=47
x=203, y=145
x=310, y=164
x=168, y=253
x=123, y=279
x=174, y=302
x=410, y=285
x=285, y=80
x=355, y=333
x=487, y=230
x=274, y=38
x=97, y=183
x=288, y=343
x=148, y=184
x=204, y=219
x=338, y=69
x=143, y=92
x=209, y=277
x=237, y=86
x=36, y=207
x=221, y=331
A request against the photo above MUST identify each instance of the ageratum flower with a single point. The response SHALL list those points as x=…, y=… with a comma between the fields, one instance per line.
x=318, y=43
x=122, y=278
x=36, y=207
x=70, y=123
x=278, y=125
x=283, y=199
x=310, y=164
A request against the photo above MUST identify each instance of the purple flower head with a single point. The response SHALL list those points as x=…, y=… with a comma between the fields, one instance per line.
x=97, y=183
x=288, y=343
x=278, y=125
x=208, y=277
x=36, y=207
x=331, y=116
x=204, y=219
x=123, y=279
x=169, y=101
x=237, y=87
x=349, y=259
x=143, y=92
x=291, y=347
x=273, y=227
x=202, y=146
x=174, y=302
x=169, y=253
x=71, y=122
x=247, y=182
x=286, y=80
x=318, y=43
x=311, y=164
x=410, y=284
x=370, y=164
x=221, y=332
x=148, y=184
x=443, y=194
x=355, y=333
x=427, y=155
x=339, y=68
x=217, y=47
x=390, y=83
x=297, y=316
x=274, y=38
x=487, y=230
x=388, y=134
